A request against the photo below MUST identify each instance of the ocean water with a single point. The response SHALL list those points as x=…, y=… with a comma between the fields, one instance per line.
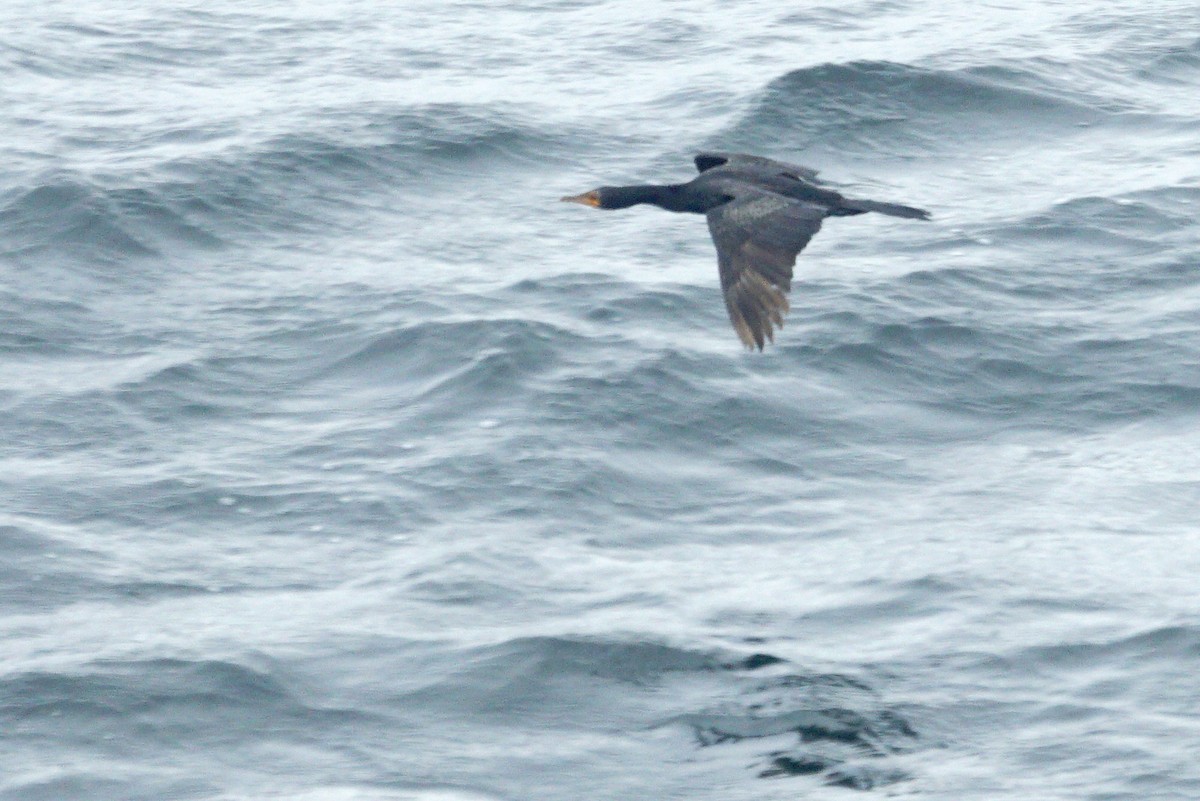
x=338, y=460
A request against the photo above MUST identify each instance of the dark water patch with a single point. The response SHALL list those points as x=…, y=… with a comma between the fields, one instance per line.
x=756, y=662
x=655, y=667
x=827, y=725
x=756, y=710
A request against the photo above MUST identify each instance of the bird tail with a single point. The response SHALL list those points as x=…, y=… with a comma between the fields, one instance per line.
x=890, y=209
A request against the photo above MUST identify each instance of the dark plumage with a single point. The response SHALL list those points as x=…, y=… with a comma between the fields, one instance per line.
x=761, y=213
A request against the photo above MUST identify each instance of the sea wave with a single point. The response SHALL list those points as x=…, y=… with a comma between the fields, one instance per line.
x=832, y=727
x=292, y=183
x=883, y=108
x=1102, y=225
x=1175, y=63
x=124, y=700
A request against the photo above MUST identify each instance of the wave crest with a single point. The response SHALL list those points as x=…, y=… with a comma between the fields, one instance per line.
x=880, y=106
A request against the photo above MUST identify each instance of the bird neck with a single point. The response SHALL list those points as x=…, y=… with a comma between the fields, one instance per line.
x=665, y=196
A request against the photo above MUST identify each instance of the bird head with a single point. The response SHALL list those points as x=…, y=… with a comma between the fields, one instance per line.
x=594, y=198
x=619, y=197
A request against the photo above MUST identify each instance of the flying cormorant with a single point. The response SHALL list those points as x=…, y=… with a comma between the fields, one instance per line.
x=761, y=213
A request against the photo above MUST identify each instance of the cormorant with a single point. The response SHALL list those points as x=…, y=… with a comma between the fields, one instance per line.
x=761, y=213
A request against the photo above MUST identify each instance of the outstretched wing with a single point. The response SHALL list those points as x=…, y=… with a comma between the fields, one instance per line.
x=706, y=161
x=758, y=235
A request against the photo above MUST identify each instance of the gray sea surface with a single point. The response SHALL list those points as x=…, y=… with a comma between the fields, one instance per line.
x=339, y=461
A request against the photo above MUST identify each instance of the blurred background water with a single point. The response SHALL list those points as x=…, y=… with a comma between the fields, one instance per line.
x=339, y=461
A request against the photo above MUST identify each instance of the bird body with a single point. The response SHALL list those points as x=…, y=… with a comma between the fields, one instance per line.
x=761, y=213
